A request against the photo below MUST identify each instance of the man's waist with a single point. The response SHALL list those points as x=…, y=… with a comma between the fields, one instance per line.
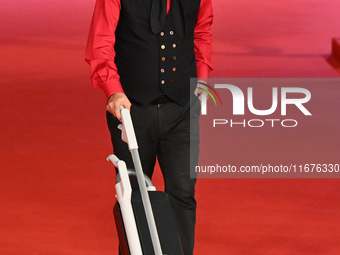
x=161, y=100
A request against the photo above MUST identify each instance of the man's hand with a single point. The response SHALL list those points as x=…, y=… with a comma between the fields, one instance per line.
x=199, y=89
x=115, y=101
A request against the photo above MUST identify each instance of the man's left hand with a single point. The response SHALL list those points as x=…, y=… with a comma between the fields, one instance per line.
x=199, y=89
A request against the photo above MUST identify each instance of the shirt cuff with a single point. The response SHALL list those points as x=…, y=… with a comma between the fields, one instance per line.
x=202, y=71
x=112, y=87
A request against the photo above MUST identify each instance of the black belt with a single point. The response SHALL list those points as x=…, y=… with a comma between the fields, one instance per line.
x=161, y=100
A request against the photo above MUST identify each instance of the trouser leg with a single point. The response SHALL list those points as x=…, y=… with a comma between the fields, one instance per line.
x=177, y=153
x=144, y=120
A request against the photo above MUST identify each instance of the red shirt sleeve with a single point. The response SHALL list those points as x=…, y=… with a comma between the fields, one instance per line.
x=100, y=53
x=203, y=39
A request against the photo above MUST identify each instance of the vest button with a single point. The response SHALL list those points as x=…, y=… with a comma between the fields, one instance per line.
x=174, y=57
x=163, y=81
x=163, y=59
x=174, y=69
x=163, y=47
x=162, y=70
x=174, y=45
x=162, y=33
x=171, y=32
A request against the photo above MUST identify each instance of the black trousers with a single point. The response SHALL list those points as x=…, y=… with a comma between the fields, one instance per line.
x=169, y=132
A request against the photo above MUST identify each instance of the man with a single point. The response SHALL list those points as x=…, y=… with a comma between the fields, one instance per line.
x=142, y=53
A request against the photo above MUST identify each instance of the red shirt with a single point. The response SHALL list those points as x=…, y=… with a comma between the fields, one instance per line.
x=100, y=53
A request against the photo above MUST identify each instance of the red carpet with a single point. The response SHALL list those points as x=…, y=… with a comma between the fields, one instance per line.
x=57, y=190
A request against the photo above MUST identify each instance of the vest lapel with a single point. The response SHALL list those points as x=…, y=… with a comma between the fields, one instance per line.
x=178, y=17
x=158, y=15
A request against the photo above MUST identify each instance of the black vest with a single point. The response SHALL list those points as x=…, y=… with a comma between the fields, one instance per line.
x=156, y=57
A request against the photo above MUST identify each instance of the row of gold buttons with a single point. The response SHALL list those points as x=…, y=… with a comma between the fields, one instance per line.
x=173, y=69
x=173, y=46
x=174, y=58
x=171, y=33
